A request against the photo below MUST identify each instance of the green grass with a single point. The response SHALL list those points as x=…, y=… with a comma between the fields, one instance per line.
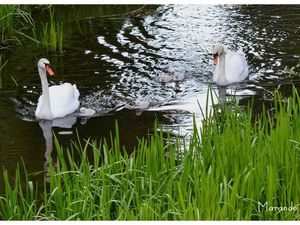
x=52, y=34
x=225, y=171
x=16, y=22
x=14, y=19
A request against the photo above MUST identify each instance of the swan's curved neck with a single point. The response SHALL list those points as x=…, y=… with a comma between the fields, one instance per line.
x=222, y=78
x=45, y=107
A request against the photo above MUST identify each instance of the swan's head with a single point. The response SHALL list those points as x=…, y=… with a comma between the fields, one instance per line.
x=44, y=65
x=218, y=49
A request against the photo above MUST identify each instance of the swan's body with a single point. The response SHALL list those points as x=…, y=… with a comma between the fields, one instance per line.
x=63, y=101
x=230, y=68
x=57, y=100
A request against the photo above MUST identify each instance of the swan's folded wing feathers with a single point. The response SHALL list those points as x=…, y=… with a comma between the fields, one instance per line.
x=235, y=67
x=63, y=99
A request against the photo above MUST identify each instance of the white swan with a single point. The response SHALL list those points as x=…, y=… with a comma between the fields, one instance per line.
x=230, y=68
x=57, y=100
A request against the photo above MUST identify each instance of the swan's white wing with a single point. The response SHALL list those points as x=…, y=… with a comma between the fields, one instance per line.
x=236, y=68
x=63, y=99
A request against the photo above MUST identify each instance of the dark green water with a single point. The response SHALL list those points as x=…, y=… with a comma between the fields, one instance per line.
x=116, y=63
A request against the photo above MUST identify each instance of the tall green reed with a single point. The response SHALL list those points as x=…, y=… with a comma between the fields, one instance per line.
x=52, y=33
x=230, y=170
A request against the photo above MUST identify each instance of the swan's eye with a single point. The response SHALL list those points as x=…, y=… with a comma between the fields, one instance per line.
x=47, y=65
x=216, y=55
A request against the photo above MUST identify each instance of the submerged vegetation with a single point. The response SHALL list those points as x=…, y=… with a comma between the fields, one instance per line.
x=234, y=168
x=2, y=65
x=293, y=71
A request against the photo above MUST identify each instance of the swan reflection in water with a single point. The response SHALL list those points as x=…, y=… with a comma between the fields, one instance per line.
x=46, y=126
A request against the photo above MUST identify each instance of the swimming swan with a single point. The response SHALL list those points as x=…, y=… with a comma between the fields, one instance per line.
x=230, y=68
x=57, y=100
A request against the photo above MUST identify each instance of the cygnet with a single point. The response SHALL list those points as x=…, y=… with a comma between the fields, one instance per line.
x=142, y=105
x=165, y=78
x=87, y=112
x=179, y=76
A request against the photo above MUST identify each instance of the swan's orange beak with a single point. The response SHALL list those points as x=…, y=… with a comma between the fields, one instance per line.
x=49, y=70
x=216, y=59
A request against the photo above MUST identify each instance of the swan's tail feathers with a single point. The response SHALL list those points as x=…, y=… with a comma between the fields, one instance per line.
x=76, y=92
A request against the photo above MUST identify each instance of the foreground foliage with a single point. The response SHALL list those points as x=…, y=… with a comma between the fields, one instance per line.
x=232, y=169
x=13, y=20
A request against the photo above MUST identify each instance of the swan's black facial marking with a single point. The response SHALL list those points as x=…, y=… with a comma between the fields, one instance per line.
x=216, y=57
x=48, y=68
